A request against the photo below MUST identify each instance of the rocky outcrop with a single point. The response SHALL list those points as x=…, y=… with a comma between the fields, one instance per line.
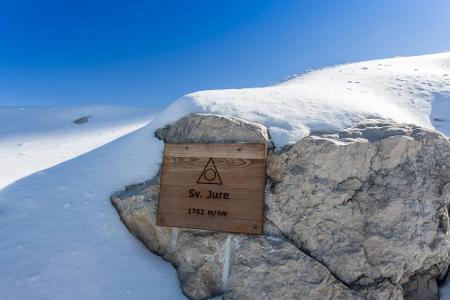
x=360, y=214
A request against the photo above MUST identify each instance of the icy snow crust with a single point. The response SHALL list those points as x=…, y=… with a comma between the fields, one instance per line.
x=62, y=239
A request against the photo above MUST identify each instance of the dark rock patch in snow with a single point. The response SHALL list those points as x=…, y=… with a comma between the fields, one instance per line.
x=82, y=120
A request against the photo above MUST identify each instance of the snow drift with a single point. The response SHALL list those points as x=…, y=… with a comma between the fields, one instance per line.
x=401, y=89
x=36, y=138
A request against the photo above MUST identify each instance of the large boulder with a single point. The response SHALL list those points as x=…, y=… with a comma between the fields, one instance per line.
x=360, y=214
x=208, y=128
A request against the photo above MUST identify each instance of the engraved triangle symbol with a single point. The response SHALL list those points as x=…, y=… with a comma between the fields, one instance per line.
x=210, y=175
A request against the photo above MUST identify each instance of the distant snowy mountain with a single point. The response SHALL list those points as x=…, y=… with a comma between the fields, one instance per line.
x=60, y=236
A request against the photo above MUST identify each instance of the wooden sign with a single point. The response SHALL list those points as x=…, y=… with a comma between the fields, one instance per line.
x=213, y=186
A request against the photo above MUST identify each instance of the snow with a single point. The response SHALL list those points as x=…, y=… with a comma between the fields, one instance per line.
x=33, y=139
x=62, y=239
x=60, y=236
x=401, y=89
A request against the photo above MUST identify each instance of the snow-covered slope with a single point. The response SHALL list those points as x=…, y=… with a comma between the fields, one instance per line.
x=60, y=236
x=405, y=89
x=62, y=239
x=32, y=138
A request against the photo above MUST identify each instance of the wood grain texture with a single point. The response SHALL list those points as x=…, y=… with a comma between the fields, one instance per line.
x=256, y=151
x=213, y=186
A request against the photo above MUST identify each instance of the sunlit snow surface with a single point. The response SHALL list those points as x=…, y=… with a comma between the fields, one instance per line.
x=402, y=89
x=36, y=138
x=60, y=238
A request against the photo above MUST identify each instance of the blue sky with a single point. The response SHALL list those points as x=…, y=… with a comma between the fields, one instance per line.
x=151, y=52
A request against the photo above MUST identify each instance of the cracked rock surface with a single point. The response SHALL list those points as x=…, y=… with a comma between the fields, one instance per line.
x=360, y=214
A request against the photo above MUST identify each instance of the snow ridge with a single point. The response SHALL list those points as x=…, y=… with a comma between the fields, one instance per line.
x=401, y=89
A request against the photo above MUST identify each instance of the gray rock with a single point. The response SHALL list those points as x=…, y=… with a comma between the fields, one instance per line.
x=82, y=120
x=372, y=209
x=207, y=128
x=360, y=214
x=235, y=266
x=421, y=286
